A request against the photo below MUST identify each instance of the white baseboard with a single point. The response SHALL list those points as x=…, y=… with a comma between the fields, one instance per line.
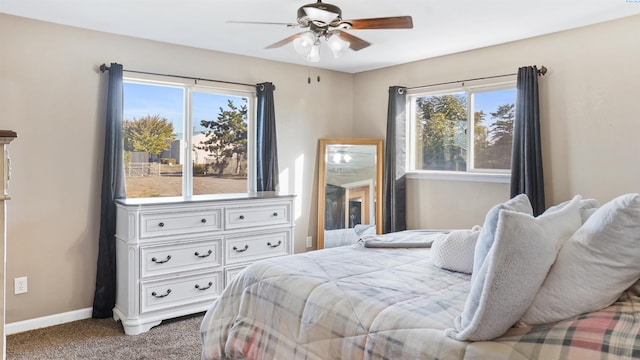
x=46, y=321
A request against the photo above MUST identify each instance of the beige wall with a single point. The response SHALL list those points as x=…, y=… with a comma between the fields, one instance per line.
x=52, y=95
x=590, y=117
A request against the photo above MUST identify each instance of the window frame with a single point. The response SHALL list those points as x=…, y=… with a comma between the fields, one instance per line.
x=209, y=87
x=471, y=173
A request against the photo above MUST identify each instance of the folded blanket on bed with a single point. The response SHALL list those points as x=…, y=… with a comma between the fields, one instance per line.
x=403, y=239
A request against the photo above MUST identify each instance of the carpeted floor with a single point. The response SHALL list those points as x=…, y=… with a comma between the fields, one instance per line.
x=177, y=339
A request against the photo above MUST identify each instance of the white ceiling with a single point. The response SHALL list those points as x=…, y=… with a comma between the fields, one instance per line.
x=440, y=27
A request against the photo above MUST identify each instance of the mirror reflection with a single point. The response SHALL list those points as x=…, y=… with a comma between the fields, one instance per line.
x=349, y=195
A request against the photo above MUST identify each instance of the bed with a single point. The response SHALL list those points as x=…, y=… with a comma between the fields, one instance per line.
x=394, y=302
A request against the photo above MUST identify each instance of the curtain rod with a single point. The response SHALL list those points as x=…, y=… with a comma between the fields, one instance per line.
x=104, y=68
x=541, y=72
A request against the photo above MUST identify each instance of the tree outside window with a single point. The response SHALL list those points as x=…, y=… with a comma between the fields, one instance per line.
x=226, y=138
x=444, y=140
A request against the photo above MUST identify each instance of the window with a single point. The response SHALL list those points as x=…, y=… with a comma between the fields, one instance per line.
x=441, y=138
x=183, y=140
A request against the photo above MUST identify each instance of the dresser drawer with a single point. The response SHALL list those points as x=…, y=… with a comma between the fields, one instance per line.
x=165, y=259
x=252, y=216
x=258, y=246
x=180, y=223
x=162, y=294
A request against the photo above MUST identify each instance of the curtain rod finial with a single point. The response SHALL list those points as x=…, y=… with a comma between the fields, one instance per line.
x=103, y=68
x=543, y=70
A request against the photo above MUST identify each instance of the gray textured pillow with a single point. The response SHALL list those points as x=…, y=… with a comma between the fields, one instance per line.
x=599, y=262
x=516, y=266
x=519, y=203
x=455, y=250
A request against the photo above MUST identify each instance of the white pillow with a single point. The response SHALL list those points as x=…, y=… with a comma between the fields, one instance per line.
x=595, y=266
x=587, y=214
x=455, y=250
x=519, y=203
x=587, y=207
x=516, y=265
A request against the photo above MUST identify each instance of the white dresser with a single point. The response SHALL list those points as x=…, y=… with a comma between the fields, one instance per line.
x=175, y=256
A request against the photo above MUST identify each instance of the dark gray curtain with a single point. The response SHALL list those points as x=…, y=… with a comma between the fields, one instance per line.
x=526, y=163
x=266, y=147
x=394, y=178
x=112, y=188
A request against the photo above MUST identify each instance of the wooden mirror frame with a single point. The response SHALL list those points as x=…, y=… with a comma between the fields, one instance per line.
x=322, y=178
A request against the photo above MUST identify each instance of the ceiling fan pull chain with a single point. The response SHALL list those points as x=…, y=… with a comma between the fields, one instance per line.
x=309, y=78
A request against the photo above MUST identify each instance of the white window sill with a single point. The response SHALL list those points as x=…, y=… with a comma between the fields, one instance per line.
x=459, y=176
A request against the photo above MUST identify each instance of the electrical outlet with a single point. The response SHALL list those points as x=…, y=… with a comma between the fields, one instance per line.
x=20, y=285
x=309, y=241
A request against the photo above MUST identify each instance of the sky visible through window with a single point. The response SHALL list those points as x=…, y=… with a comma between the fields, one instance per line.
x=490, y=101
x=141, y=100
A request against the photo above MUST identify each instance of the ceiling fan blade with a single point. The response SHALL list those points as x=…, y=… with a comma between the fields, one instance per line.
x=284, y=41
x=397, y=22
x=355, y=43
x=262, y=23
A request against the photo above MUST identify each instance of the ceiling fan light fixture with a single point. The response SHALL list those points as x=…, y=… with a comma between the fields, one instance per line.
x=314, y=55
x=337, y=45
x=304, y=44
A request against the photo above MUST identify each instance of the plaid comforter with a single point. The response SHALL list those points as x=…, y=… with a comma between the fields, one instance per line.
x=363, y=303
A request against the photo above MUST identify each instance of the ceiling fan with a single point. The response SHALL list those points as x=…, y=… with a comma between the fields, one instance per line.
x=324, y=21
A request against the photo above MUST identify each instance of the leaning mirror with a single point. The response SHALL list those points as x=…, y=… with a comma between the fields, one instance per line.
x=349, y=190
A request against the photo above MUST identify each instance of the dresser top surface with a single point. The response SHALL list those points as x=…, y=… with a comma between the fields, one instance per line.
x=201, y=198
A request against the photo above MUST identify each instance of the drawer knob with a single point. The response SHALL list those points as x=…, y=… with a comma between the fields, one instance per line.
x=155, y=294
x=204, y=288
x=161, y=261
x=161, y=224
x=276, y=245
x=275, y=214
x=204, y=221
x=204, y=255
x=241, y=217
x=246, y=247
